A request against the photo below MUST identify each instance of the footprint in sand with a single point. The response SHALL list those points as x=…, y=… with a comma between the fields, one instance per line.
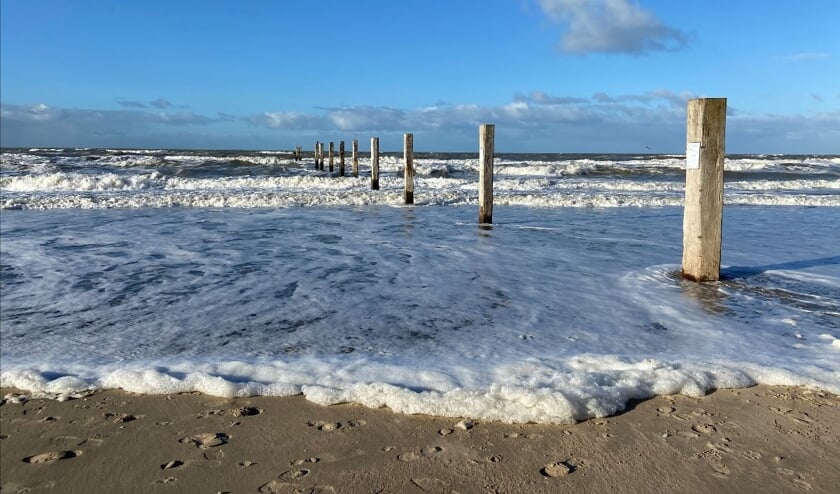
x=409, y=456
x=292, y=475
x=704, y=428
x=751, y=455
x=207, y=439
x=719, y=470
x=172, y=464
x=427, y=452
x=429, y=484
x=305, y=460
x=333, y=426
x=805, y=486
x=51, y=457
x=245, y=411
x=215, y=455
x=283, y=483
x=557, y=469
x=120, y=418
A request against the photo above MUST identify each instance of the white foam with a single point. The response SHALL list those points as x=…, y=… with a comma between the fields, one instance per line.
x=565, y=310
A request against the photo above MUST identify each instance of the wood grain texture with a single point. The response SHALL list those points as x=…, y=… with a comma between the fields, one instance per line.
x=486, y=135
x=703, y=212
x=374, y=163
x=408, y=145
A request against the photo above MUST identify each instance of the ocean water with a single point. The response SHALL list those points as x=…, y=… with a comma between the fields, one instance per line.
x=242, y=273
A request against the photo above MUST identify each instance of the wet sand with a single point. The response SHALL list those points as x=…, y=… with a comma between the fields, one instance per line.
x=760, y=439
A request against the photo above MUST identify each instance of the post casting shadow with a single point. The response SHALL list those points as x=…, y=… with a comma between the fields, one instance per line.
x=736, y=272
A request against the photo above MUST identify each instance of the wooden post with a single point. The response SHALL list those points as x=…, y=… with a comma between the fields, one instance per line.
x=408, y=148
x=340, y=158
x=703, y=211
x=355, y=157
x=321, y=156
x=317, y=147
x=331, y=155
x=486, y=134
x=374, y=163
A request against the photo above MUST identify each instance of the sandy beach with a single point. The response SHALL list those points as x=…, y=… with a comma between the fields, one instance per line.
x=760, y=439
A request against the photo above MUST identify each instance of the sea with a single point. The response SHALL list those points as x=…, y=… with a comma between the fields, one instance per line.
x=240, y=273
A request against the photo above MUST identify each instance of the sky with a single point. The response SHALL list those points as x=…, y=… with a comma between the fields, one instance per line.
x=595, y=76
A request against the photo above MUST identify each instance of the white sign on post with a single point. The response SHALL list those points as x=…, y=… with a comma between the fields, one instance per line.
x=692, y=156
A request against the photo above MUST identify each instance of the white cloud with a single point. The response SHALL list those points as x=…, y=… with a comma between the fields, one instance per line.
x=160, y=103
x=611, y=26
x=40, y=123
x=537, y=121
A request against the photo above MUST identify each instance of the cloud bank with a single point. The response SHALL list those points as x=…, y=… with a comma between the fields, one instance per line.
x=653, y=121
x=611, y=26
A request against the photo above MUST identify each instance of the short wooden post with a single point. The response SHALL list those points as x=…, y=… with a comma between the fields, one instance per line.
x=340, y=158
x=485, y=173
x=331, y=155
x=703, y=211
x=374, y=163
x=355, y=157
x=408, y=148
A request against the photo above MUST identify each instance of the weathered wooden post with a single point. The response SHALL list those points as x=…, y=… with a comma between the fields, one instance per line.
x=317, y=147
x=485, y=173
x=703, y=211
x=408, y=152
x=340, y=158
x=355, y=157
x=374, y=163
x=320, y=157
x=331, y=155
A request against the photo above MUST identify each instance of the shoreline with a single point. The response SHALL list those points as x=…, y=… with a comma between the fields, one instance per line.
x=758, y=439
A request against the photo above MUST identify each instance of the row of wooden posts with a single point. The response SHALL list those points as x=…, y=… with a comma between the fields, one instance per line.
x=702, y=213
x=486, y=157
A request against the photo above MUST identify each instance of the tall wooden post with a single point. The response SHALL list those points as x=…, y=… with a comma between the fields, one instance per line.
x=317, y=148
x=486, y=134
x=374, y=163
x=340, y=158
x=320, y=157
x=331, y=155
x=408, y=153
x=355, y=157
x=703, y=212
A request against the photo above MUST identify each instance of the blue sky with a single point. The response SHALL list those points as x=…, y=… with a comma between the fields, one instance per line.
x=553, y=75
